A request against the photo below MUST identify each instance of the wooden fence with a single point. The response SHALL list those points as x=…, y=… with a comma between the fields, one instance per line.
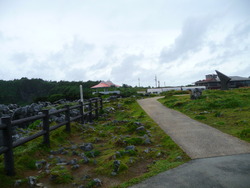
x=86, y=114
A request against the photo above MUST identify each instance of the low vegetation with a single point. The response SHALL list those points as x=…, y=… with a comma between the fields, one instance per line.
x=126, y=147
x=228, y=111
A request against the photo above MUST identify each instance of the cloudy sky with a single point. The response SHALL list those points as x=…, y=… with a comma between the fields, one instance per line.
x=122, y=40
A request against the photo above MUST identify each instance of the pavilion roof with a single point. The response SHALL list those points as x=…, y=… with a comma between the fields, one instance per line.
x=106, y=84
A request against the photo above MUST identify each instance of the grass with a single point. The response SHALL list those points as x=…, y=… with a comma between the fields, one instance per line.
x=122, y=124
x=228, y=111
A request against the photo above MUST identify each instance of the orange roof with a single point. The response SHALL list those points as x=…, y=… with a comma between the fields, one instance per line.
x=105, y=84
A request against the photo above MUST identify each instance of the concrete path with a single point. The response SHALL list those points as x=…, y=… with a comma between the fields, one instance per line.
x=198, y=140
x=217, y=172
x=219, y=160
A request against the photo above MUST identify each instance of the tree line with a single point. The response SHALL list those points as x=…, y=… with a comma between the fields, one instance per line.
x=24, y=91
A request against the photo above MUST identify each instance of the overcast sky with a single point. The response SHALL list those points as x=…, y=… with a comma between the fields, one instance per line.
x=180, y=41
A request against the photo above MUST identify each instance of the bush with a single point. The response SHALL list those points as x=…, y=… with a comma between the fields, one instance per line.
x=245, y=133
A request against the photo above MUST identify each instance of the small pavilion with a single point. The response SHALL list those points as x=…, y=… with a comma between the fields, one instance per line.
x=106, y=86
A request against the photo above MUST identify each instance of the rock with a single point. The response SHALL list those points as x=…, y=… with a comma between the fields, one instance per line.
x=85, y=159
x=61, y=164
x=141, y=128
x=51, y=156
x=72, y=162
x=32, y=181
x=131, y=160
x=17, y=183
x=179, y=158
x=86, y=177
x=195, y=94
x=147, y=141
x=138, y=124
x=116, y=165
x=73, y=147
x=40, y=164
x=81, y=186
x=74, y=153
x=39, y=185
x=97, y=182
x=147, y=150
x=76, y=166
x=61, y=160
x=47, y=166
x=132, y=147
x=87, y=147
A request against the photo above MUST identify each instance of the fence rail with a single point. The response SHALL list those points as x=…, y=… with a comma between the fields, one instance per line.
x=93, y=105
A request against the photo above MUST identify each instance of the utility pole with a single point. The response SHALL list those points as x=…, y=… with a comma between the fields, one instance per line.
x=139, y=82
x=159, y=84
x=155, y=81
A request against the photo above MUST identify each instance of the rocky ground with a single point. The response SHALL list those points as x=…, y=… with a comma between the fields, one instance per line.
x=122, y=145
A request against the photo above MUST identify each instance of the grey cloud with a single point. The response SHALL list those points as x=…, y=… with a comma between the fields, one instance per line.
x=20, y=57
x=73, y=52
x=191, y=39
x=77, y=74
x=125, y=70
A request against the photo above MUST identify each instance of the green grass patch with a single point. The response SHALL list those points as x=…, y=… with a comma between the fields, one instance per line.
x=228, y=111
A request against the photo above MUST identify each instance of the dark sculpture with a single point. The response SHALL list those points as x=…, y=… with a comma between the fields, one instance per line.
x=224, y=80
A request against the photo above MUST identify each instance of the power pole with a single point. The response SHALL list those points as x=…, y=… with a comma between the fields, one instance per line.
x=139, y=82
x=155, y=81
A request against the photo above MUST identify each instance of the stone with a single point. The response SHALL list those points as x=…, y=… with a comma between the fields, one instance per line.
x=116, y=165
x=132, y=147
x=195, y=94
x=138, y=124
x=17, y=183
x=179, y=158
x=97, y=182
x=72, y=162
x=39, y=185
x=141, y=128
x=81, y=186
x=32, y=181
x=87, y=147
x=40, y=164
x=73, y=147
x=76, y=166
x=85, y=159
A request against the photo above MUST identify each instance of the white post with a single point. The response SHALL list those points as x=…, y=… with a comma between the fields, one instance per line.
x=81, y=94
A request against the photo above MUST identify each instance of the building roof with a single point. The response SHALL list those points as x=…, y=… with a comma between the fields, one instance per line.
x=238, y=78
x=106, y=84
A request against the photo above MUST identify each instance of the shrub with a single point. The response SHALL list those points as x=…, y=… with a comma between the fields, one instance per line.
x=245, y=133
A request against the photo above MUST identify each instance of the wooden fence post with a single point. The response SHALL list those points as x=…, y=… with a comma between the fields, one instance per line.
x=46, y=139
x=82, y=113
x=101, y=105
x=96, y=108
x=67, y=117
x=7, y=141
x=90, y=111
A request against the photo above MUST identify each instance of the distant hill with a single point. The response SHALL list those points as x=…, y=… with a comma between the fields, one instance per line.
x=23, y=91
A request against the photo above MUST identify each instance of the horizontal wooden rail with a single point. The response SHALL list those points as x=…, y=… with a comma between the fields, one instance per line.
x=25, y=120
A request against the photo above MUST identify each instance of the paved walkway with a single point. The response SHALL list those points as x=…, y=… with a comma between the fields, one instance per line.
x=216, y=172
x=198, y=140
x=219, y=160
